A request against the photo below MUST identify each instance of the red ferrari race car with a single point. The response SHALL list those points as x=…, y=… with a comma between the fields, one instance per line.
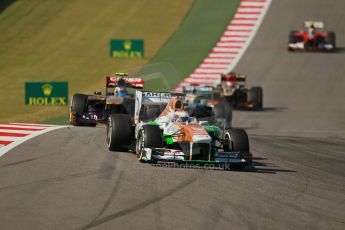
x=312, y=38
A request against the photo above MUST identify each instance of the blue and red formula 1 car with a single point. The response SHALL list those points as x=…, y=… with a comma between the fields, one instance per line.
x=88, y=110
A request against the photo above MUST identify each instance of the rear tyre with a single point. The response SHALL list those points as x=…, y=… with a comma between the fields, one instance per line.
x=331, y=40
x=292, y=39
x=223, y=110
x=119, y=132
x=255, y=96
x=150, y=136
x=79, y=104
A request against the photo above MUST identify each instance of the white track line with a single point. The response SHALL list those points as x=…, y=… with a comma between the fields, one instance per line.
x=248, y=16
x=215, y=71
x=213, y=66
x=225, y=49
x=225, y=55
x=247, y=10
x=217, y=61
x=198, y=75
x=231, y=42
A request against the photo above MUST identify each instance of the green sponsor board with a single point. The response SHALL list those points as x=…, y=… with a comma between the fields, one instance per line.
x=46, y=93
x=120, y=48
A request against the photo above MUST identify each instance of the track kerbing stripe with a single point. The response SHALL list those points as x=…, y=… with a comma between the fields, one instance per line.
x=231, y=46
x=14, y=134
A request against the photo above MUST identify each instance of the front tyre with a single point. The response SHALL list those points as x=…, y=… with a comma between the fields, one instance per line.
x=150, y=136
x=237, y=141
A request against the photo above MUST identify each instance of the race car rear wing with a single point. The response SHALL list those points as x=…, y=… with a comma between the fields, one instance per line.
x=233, y=77
x=316, y=24
x=131, y=82
x=198, y=89
x=149, y=97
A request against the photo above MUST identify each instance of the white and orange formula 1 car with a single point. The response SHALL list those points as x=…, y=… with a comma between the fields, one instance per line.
x=164, y=132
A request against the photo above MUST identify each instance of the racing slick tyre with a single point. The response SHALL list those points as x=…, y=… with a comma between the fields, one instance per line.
x=255, y=96
x=119, y=132
x=223, y=110
x=79, y=102
x=330, y=40
x=150, y=136
x=237, y=141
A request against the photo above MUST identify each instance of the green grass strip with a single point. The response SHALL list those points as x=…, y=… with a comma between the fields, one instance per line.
x=193, y=41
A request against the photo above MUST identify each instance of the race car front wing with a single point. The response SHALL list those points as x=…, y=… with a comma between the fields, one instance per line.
x=173, y=155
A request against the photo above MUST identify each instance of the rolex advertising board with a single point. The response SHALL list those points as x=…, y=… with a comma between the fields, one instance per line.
x=46, y=93
x=129, y=48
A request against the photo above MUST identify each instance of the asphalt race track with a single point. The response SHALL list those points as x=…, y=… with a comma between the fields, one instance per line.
x=66, y=179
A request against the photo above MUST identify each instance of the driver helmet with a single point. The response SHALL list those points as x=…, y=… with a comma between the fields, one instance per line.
x=311, y=29
x=175, y=104
x=120, y=90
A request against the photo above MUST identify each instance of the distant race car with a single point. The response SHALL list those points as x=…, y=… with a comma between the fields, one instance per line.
x=204, y=102
x=164, y=132
x=88, y=110
x=233, y=88
x=312, y=38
